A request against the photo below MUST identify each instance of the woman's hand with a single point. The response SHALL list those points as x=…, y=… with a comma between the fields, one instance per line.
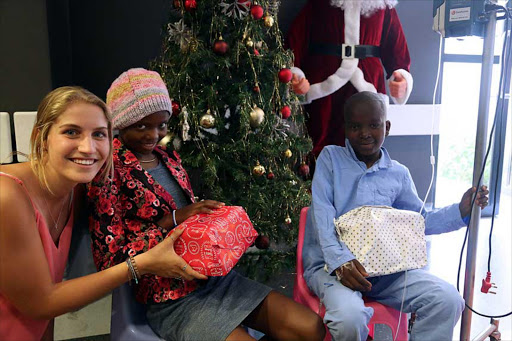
x=163, y=261
x=205, y=206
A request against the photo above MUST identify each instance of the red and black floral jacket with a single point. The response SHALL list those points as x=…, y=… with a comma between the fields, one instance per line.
x=124, y=212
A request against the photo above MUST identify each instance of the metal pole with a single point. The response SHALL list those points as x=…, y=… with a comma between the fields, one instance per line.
x=480, y=146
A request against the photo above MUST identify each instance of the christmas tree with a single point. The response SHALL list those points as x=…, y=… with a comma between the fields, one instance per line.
x=235, y=119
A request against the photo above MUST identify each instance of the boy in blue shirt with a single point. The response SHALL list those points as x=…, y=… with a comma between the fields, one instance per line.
x=362, y=173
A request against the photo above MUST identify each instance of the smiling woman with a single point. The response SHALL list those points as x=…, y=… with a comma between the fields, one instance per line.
x=71, y=143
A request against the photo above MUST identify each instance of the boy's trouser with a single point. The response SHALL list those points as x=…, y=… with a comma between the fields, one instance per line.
x=437, y=304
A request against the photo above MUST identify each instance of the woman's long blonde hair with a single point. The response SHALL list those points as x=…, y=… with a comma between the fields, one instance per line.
x=49, y=110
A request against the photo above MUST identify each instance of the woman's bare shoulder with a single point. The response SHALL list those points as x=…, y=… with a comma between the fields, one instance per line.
x=14, y=198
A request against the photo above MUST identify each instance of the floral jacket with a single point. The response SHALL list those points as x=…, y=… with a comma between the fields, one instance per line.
x=124, y=212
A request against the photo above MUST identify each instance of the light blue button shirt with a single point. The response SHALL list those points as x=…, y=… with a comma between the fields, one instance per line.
x=342, y=183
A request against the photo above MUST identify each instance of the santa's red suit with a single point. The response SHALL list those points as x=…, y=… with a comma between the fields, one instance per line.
x=333, y=79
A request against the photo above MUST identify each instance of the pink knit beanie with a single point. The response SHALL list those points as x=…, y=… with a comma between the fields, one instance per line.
x=135, y=94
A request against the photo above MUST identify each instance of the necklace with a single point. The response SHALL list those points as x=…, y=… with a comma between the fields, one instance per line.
x=147, y=161
x=55, y=222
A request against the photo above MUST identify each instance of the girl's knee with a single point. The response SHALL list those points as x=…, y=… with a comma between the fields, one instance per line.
x=312, y=328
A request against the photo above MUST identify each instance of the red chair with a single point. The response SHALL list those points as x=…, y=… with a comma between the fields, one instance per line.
x=301, y=294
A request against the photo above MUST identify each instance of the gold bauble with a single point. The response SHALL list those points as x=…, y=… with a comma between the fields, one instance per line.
x=288, y=220
x=269, y=21
x=258, y=170
x=257, y=117
x=249, y=42
x=207, y=120
x=167, y=138
x=287, y=153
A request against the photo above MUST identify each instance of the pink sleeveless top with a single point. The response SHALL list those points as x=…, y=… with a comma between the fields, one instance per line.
x=13, y=324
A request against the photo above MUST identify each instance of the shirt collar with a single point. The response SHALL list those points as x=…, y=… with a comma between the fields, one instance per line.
x=384, y=161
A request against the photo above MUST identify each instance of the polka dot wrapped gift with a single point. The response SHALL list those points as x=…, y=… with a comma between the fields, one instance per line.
x=383, y=239
x=213, y=243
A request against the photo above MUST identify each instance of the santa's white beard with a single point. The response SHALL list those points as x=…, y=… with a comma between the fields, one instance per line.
x=368, y=7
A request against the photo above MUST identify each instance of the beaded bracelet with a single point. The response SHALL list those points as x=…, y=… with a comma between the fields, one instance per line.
x=133, y=270
x=137, y=273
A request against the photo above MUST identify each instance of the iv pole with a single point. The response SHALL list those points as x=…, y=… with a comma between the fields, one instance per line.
x=480, y=148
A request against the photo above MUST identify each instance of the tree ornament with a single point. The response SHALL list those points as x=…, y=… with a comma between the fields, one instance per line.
x=285, y=75
x=257, y=12
x=268, y=21
x=257, y=116
x=237, y=8
x=185, y=126
x=249, y=43
x=175, y=108
x=167, y=138
x=258, y=170
x=286, y=112
x=256, y=52
x=180, y=34
x=207, y=120
x=288, y=220
x=220, y=47
x=256, y=89
x=190, y=5
x=270, y=175
x=177, y=3
x=287, y=153
x=304, y=170
x=262, y=242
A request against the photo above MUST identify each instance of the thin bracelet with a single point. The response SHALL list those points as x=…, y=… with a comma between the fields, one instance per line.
x=174, y=218
x=129, y=273
x=137, y=273
x=132, y=270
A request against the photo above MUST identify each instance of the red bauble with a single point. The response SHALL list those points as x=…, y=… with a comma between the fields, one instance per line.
x=262, y=242
x=270, y=175
x=256, y=89
x=177, y=3
x=190, y=5
x=257, y=12
x=175, y=108
x=304, y=170
x=256, y=52
x=286, y=112
x=220, y=47
x=285, y=75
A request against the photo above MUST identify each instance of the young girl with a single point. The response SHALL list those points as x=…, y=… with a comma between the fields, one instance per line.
x=70, y=143
x=150, y=194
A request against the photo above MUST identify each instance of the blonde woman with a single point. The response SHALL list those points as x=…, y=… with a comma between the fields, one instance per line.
x=70, y=143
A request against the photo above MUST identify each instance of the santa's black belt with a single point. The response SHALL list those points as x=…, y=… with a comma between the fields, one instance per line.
x=346, y=51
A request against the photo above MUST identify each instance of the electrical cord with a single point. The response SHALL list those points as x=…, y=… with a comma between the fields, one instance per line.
x=506, y=65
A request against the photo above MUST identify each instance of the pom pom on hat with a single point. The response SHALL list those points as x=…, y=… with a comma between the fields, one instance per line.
x=135, y=94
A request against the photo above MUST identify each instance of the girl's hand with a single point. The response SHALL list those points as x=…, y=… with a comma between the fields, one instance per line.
x=205, y=206
x=163, y=261
x=481, y=200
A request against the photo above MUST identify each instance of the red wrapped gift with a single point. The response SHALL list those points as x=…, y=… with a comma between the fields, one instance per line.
x=213, y=243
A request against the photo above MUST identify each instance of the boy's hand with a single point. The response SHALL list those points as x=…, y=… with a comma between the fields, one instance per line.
x=481, y=200
x=352, y=275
